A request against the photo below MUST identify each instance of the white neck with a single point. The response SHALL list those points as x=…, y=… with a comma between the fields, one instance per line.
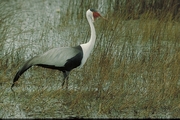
x=91, y=42
x=87, y=47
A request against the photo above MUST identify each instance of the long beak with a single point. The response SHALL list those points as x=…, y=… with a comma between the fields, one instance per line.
x=104, y=18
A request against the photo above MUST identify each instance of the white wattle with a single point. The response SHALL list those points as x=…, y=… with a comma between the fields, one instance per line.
x=87, y=47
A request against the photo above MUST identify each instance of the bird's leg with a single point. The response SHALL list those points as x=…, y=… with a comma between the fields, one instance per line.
x=67, y=79
x=64, y=73
x=66, y=76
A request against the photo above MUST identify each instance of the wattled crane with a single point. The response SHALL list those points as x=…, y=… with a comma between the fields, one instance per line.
x=64, y=58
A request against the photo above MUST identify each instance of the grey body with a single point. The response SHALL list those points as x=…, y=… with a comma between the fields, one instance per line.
x=63, y=59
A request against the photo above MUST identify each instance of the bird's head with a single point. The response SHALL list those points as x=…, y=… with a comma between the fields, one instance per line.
x=93, y=14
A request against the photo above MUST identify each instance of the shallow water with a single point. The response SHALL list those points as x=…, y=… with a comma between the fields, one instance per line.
x=36, y=26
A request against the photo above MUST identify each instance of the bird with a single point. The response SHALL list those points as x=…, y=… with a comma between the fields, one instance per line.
x=64, y=59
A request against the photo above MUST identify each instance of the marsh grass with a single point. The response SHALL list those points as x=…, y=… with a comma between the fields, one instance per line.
x=133, y=71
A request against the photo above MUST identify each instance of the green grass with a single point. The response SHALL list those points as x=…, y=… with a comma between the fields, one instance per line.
x=133, y=71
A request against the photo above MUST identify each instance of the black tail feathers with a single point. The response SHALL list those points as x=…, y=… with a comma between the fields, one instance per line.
x=26, y=66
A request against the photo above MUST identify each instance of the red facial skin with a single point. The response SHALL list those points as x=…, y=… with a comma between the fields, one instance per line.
x=96, y=14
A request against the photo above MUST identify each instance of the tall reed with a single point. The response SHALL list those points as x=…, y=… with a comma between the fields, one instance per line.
x=133, y=71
